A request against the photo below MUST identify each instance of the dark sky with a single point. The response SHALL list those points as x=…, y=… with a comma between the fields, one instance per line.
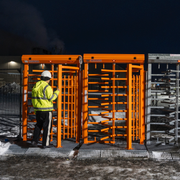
x=110, y=26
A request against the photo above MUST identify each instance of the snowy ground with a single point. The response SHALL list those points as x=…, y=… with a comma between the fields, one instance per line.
x=38, y=168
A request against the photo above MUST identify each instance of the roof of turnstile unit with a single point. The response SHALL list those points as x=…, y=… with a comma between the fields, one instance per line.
x=114, y=58
x=163, y=58
x=50, y=59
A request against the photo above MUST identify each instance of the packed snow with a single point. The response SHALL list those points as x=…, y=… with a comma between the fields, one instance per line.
x=4, y=147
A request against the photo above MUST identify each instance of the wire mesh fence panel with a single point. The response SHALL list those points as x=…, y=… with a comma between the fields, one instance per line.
x=10, y=103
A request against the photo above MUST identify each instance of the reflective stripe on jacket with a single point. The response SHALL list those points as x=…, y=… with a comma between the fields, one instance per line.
x=43, y=96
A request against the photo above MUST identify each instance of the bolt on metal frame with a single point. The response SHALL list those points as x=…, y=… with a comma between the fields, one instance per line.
x=166, y=84
x=135, y=121
x=68, y=78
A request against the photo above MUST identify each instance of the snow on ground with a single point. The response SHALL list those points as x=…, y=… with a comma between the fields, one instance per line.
x=99, y=118
x=4, y=147
x=55, y=168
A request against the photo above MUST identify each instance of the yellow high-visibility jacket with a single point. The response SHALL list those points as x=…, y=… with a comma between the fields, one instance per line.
x=43, y=96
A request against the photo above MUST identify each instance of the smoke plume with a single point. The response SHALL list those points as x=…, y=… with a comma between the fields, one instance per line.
x=24, y=20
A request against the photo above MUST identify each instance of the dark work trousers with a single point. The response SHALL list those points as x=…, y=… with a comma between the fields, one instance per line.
x=44, y=120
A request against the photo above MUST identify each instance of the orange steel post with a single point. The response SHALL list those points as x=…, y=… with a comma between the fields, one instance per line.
x=83, y=99
x=25, y=101
x=59, y=106
x=68, y=114
x=113, y=98
x=137, y=106
x=77, y=113
x=72, y=105
x=79, y=102
x=52, y=84
x=129, y=106
x=142, y=105
x=126, y=130
x=85, y=104
x=64, y=107
x=134, y=107
x=143, y=96
x=139, y=99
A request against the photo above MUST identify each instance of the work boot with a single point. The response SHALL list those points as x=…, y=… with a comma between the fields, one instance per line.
x=44, y=147
x=34, y=144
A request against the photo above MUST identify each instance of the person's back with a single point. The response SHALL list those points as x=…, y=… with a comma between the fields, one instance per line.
x=42, y=100
x=43, y=96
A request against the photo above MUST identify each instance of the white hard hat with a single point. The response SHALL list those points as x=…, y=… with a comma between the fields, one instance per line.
x=46, y=74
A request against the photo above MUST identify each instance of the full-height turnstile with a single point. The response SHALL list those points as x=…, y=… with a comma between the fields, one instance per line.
x=162, y=98
x=66, y=72
x=113, y=98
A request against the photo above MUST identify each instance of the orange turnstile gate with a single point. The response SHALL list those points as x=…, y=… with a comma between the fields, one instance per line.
x=65, y=69
x=113, y=98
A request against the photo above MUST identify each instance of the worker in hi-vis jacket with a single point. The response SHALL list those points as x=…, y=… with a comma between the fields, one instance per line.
x=42, y=101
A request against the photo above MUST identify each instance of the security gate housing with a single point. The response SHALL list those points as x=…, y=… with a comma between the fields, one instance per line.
x=66, y=72
x=113, y=98
x=162, y=99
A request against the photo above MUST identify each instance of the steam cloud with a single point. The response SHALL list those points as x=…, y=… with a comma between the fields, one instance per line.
x=24, y=20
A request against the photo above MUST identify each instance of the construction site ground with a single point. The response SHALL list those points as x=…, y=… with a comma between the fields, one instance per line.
x=89, y=161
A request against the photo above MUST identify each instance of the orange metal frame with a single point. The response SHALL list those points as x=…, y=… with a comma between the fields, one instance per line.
x=69, y=99
x=135, y=120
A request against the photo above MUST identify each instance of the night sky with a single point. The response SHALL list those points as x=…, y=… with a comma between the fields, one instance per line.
x=96, y=26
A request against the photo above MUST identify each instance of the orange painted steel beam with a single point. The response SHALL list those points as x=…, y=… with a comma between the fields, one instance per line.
x=129, y=108
x=64, y=105
x=79, y=104
x=109, y=70
x=114, y=58
x=137, y=106
x=96, y=114
x=108, y=103
x=50, y=59
x=114, y=87
x=142, y=133
x=68, y=87
x=121, y=119
x=75, y=115
x=95, y=65
x=59, y=106
x=133, y=86
x=98, y=82
x=33, y=75
x=111, y=79
x=98, y=106
x=98, y=74
x=98, y=98
x=137, y=67
x=143, y=98
x=71, y=105
x=70, y=67
x=25, y=102
x=52, y=71
x=106, y=95
x=98, y=90
x=85, y=103
x=52, y=85
x=113, y=100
